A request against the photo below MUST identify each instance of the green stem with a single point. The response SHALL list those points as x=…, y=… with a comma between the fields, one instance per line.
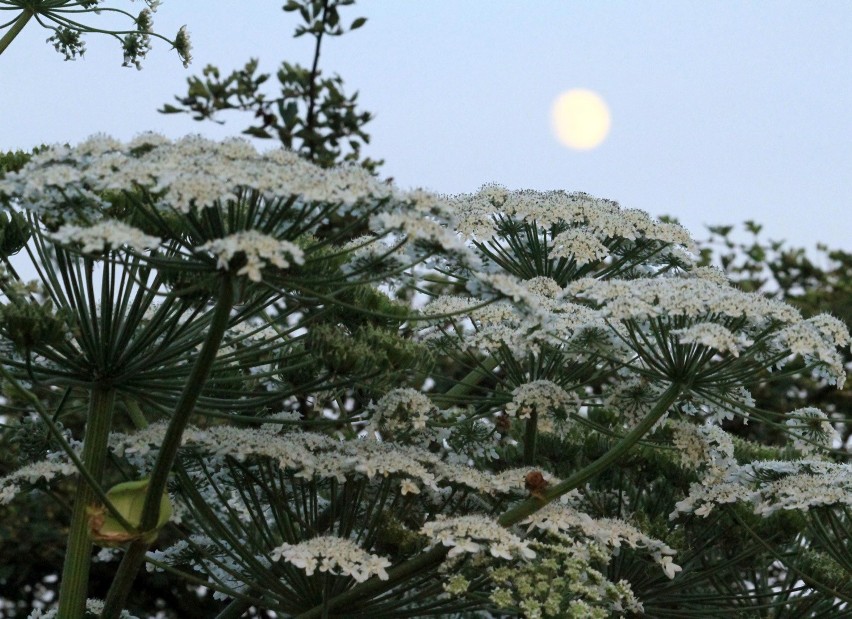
x=436, y=555
x=135, y=555
x=533, y=504
x=531, y=439
x=137, y=417
x=75, y=572
x=476, y=375
x=15, y=30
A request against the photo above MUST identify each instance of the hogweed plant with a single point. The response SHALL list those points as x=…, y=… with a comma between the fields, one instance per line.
x=508, y=402
x=292, y=388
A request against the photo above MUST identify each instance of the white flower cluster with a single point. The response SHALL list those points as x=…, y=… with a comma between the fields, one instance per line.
x=558, y=519
x=543, y=397
x=816, y=339
x=189, y=173
x=705, y=447
x=597, y=217
x=400, y=410
x=11, y=485
x=811, y=430
x=473, y=534
x=258, y=249
x=744, y=317
x=104, y=236
x=579, y=244
x=640, y=299
x=333, y=555
x=310, y=455
x=770, y=486
x=417, y=228
x=544, y=318
x=93, y=606
x=713, y=335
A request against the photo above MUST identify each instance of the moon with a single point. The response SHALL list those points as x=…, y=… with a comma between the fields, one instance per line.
x=580, y=119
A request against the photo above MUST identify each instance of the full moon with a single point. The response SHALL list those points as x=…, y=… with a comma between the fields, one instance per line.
x=580, y=119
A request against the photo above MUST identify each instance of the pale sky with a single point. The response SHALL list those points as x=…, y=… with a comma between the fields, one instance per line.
x=721, y=111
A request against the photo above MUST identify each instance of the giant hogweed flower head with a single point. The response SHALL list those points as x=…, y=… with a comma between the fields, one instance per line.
x=713, y=335
x=567, y=236
x=771, y=486
x=202, y=197
x=559, y=519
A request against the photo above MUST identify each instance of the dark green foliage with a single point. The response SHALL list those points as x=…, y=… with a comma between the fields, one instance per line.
x=312, y=114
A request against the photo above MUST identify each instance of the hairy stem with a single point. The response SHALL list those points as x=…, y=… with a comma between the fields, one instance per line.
x=75, y=572
x=135, y=555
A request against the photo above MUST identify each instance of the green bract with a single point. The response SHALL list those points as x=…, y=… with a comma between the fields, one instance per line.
x=128, y=499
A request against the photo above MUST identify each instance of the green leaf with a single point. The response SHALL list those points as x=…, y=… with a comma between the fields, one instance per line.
x=358, y=23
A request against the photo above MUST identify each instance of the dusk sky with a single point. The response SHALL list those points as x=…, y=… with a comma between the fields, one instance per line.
x=721, y=111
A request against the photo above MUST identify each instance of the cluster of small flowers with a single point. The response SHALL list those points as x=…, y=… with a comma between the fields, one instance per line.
x=311, y=455
x=579, y=244
x=545, y=398
x=104, y=236
x=93, y=606
x=770, y=486
x=258, y=250
x=12, y=484
x=705, y=447
x=706, y=304
x=816, y=340
x=713, y=335
x=334, y=555
x=402, y=411
x=473, y=534
x=723, y=404
x=692, y=297
x=632, y=398
x=600, y=218
x=190, y=173
x=557, y=519
x=418, y=230
x=811, y=430
x=543, y=319
x=561, y=583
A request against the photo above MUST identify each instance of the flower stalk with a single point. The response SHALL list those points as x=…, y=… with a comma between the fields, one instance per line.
x=135, y=555
x=533, y=504
x=15, y=30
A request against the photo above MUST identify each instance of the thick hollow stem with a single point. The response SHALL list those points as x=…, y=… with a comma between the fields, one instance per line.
x=15, y=30
x=135, y=555
x=75, y=572
x=532, y=505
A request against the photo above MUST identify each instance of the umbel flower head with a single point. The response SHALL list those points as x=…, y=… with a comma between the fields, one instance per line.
x=566, y=236
x=222, y=204
x=710, y=336
x=66, y=19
